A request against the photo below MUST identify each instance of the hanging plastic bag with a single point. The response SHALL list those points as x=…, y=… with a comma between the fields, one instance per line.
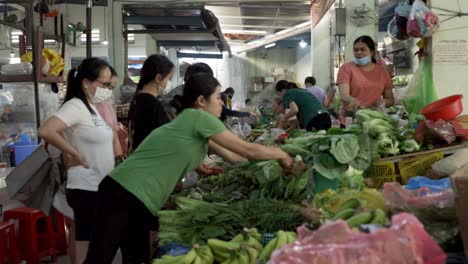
x=421, y=90
x=422, y=21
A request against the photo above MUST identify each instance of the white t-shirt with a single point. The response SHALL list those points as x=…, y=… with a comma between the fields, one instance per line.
x=92, y=137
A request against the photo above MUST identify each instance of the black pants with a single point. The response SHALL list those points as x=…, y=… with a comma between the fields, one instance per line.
x=122, y=221
x=83, y=204
x=319, y=122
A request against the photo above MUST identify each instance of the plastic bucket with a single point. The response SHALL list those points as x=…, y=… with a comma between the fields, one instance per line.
x=446, y=108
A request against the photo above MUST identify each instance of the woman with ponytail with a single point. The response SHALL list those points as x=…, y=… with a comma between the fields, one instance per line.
x=131, y=196
x=146, y=112
x=86, y=141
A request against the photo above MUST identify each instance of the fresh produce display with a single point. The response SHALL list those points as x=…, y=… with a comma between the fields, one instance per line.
x=198, y=255
x=212, y=214
x=281, y=238
x=332, y=152
x=264, y=179
x=385, y=133
x=195, y=221
x=243, y=248
x=355, y=207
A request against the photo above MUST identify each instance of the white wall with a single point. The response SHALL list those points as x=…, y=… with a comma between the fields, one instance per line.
x=303, y=64
x=353, y=31
x=450, y=79
x=320, y=52
x=321, y=46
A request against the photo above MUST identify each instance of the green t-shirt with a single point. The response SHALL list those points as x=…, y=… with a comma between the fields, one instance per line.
x=166, y=156
x=309, y=106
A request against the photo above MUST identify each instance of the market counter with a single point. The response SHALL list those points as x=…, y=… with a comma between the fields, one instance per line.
x=445, y=150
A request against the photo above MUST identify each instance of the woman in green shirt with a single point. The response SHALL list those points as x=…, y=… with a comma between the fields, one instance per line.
x=131, y=196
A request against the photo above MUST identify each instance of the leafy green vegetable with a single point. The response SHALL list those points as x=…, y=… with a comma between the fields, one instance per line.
x=344, y=148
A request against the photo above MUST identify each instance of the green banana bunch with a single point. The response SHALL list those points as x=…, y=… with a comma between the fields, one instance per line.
x=198, y=255
x=359, y=219
x=282, y=238
x=222, y=250
x=380, y=217
x=243, y=248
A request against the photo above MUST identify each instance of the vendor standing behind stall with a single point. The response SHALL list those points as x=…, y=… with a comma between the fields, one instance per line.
x=146, y=112
x=130, y=198
x=309, y=111
x=363, y=83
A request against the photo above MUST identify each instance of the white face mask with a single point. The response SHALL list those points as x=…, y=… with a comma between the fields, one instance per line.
x=168, y=85
x=101, y=95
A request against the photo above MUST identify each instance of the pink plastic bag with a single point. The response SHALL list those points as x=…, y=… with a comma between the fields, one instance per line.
x=405, y=242
x=422, y=21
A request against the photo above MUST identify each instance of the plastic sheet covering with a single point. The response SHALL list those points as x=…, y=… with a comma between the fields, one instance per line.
x=405, y=241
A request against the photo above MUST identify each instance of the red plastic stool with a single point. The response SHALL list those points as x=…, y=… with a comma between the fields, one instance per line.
x=61, y=241
x=8, y=248
x=34, y=241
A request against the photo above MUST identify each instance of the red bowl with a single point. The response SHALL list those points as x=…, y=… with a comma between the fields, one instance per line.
x=446, y=108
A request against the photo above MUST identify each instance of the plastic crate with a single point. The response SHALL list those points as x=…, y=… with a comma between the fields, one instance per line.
x=381, y=172
x=417, y=166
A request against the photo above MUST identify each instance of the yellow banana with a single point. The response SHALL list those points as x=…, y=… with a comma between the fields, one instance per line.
x=190, y=257
x=167, y=259
x=269, y=248
x=282, y=239
x=380, y=217
x=291, y=237
x=205, y=253
x=252, y=242
x=243, y=257
x=359, y=219
x=253, y=255
x=222, y=249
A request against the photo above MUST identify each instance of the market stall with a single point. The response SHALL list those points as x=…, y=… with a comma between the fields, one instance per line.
x=351, y=188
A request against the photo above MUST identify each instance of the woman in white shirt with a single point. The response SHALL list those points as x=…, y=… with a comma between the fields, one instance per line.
x=86, y=141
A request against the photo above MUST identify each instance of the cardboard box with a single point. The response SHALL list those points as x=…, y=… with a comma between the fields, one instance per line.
x=460, y=186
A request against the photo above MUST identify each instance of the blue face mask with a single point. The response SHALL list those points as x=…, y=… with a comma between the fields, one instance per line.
x=362, y=61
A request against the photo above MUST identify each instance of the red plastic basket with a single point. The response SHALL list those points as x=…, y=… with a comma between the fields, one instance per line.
x=446, y=108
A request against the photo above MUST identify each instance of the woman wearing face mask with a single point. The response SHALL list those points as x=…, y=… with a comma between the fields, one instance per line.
x=146, y=112
x=363, y=83
x=105, y=107
x=131, y=196
x=85, y=139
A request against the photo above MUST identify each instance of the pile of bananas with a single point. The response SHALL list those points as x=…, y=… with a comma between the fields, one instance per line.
x=349, y=212
x=198, y=255
x=282, y=238
x=242, y=249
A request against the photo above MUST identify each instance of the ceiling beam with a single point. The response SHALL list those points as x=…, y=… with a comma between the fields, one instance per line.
x=296, y=18
x=164, y=20
x=181, y=43
x=274, y=38
x=252, y=26
x=199, y=55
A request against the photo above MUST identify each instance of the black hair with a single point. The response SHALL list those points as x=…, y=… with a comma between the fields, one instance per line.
x=281, y=85
x=203, y=84
x=248, y=100
x=310, y=80
x=154, y=65
x=90, y=69
x=229, y=90
x=195, y=68
x=370, y=44
x=113, y=72
x=291, y=85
